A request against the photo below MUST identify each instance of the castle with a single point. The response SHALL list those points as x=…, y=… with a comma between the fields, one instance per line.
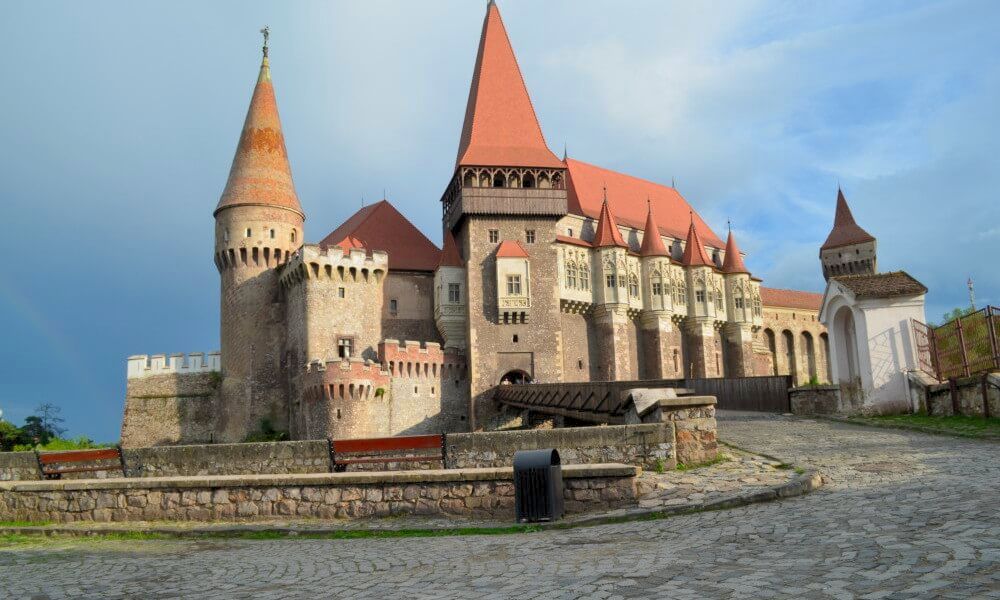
x=551, y=270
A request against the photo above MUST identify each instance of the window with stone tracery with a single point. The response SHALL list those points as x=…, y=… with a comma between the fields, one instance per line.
x=610, y=280
x=633, y=286
x=571, y=275
x=584, y=276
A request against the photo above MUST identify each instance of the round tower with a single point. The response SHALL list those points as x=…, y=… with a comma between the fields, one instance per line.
x=258, y=225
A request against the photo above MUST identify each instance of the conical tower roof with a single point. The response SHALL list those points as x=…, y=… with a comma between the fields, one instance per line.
x=501, y=128
x=694, y=250
x=607, y=233
x=652, y=243
x=450, y=256
x=260, y=175
x=845, y=230
x=733, y=262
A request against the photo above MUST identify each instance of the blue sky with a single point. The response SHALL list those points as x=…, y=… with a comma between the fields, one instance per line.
x=120, y=120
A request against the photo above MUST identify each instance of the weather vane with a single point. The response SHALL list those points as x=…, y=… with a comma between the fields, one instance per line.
x=267, y=33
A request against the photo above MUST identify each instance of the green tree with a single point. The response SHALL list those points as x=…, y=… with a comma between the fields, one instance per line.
x=10, y=436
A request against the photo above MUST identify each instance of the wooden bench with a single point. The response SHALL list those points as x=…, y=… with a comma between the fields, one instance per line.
x=412, y=448
x=49, y=462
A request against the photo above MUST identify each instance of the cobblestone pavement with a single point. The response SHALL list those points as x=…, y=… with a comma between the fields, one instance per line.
x=903, y=515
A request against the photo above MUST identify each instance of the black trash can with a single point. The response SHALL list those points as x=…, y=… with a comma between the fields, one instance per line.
x=538, y=485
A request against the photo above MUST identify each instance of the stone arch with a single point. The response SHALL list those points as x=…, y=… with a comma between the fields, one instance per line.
x=824, y=348
x=772, y=348
x=515, y=376
x=845, y=338
x=809, y=354
x=788, y=340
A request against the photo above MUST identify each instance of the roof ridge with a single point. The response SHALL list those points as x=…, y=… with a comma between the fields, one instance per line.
x=642, y=179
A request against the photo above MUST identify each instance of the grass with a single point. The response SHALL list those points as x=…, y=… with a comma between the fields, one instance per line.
x=719, y=458
x=24, y=523
x=956, y=424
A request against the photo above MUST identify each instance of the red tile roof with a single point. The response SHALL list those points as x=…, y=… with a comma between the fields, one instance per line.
x=572, y=240
x=694, y=250
x=628, y=196
x=607, y=233
x=501, y=128
x=260, y=174
x=733, y=262
x=382, y=227
x=652, y=243
x=845, y=230
x=450, y=256
x=511, y=249
x=790, y=298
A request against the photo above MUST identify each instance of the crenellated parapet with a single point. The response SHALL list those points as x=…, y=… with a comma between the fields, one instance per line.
x=412, y=360
x=143, y=365
x=354, y=379
x=333, y=263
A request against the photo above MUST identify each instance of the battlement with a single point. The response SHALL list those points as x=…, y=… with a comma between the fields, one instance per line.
x=410, y=359
x=334, y=263
x=355, y=378
x=143, y=365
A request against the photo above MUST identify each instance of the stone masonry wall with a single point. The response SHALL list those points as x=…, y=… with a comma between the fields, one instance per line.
x=694, y=432
x=18, y=466
x=170, y=409
x=471, y=492
x=803, y=325
x=414, y=315
x=649, y=445
x=970, y=397
x=312, y=456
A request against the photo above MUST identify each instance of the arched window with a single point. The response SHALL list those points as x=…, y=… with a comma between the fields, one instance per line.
x=292, y=236
x=633, y=286
x=469, y=180
x=557, y=181
x=499, y=180
x=529, y=180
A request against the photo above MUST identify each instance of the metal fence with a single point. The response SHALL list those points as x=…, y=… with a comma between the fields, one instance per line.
x=965, y=346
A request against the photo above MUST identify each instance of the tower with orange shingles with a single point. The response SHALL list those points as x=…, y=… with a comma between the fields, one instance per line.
x=849, y=249
x=258, y=225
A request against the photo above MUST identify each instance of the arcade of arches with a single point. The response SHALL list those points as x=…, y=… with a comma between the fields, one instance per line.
x=794, y=342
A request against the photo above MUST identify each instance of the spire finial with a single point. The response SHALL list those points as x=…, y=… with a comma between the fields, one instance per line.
x=672, y=183
x=729, y=225
x=605, y=188
x=565, y=153
x=266, y=32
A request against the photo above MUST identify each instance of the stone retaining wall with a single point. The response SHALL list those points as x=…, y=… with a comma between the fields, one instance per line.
x=938, y=399
x=816, y=400
x=18, y=466
x=311, y=456
x=646, y=445
x=467, y=492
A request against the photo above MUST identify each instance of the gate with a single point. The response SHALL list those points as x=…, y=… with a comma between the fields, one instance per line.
x=968, y=345
x=766, y=394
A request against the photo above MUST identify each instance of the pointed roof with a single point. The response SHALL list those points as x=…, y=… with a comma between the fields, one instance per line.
x=694, y=250
x=630, y=195
x=652, y=243
x=733, y=262
x=511, y=249
x=501, y=128
x=450, y=256
x=607, y=233
x=381, y=227
x=845, y=230
x=260, y=174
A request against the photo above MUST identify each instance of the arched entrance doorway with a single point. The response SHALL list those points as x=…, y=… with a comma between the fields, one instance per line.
x=845, y=339
x=514, y=377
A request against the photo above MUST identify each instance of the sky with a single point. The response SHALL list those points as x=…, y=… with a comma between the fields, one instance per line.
x=120, y=120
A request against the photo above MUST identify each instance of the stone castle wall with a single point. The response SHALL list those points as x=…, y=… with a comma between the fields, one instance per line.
x=171, y=402
x=413, y=318
x=800, y=326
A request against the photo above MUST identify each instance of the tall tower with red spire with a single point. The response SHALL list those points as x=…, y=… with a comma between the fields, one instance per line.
x=258, y=225
x=849, y=249
x=508, y=186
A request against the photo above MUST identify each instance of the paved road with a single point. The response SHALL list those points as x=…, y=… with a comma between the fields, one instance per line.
x=904, y=515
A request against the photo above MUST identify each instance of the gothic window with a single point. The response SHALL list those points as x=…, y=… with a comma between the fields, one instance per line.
x=292, y=237
x=584, y=272
x=719, y=301
x=699, y=296
x=633, y=286
x=345, y=348
x=454, y=293
x=529, y=236
x=738, y=302
x=571, y=275
x=513, y=285
x=657, y=288
x=494, y=236
x=610, y=280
